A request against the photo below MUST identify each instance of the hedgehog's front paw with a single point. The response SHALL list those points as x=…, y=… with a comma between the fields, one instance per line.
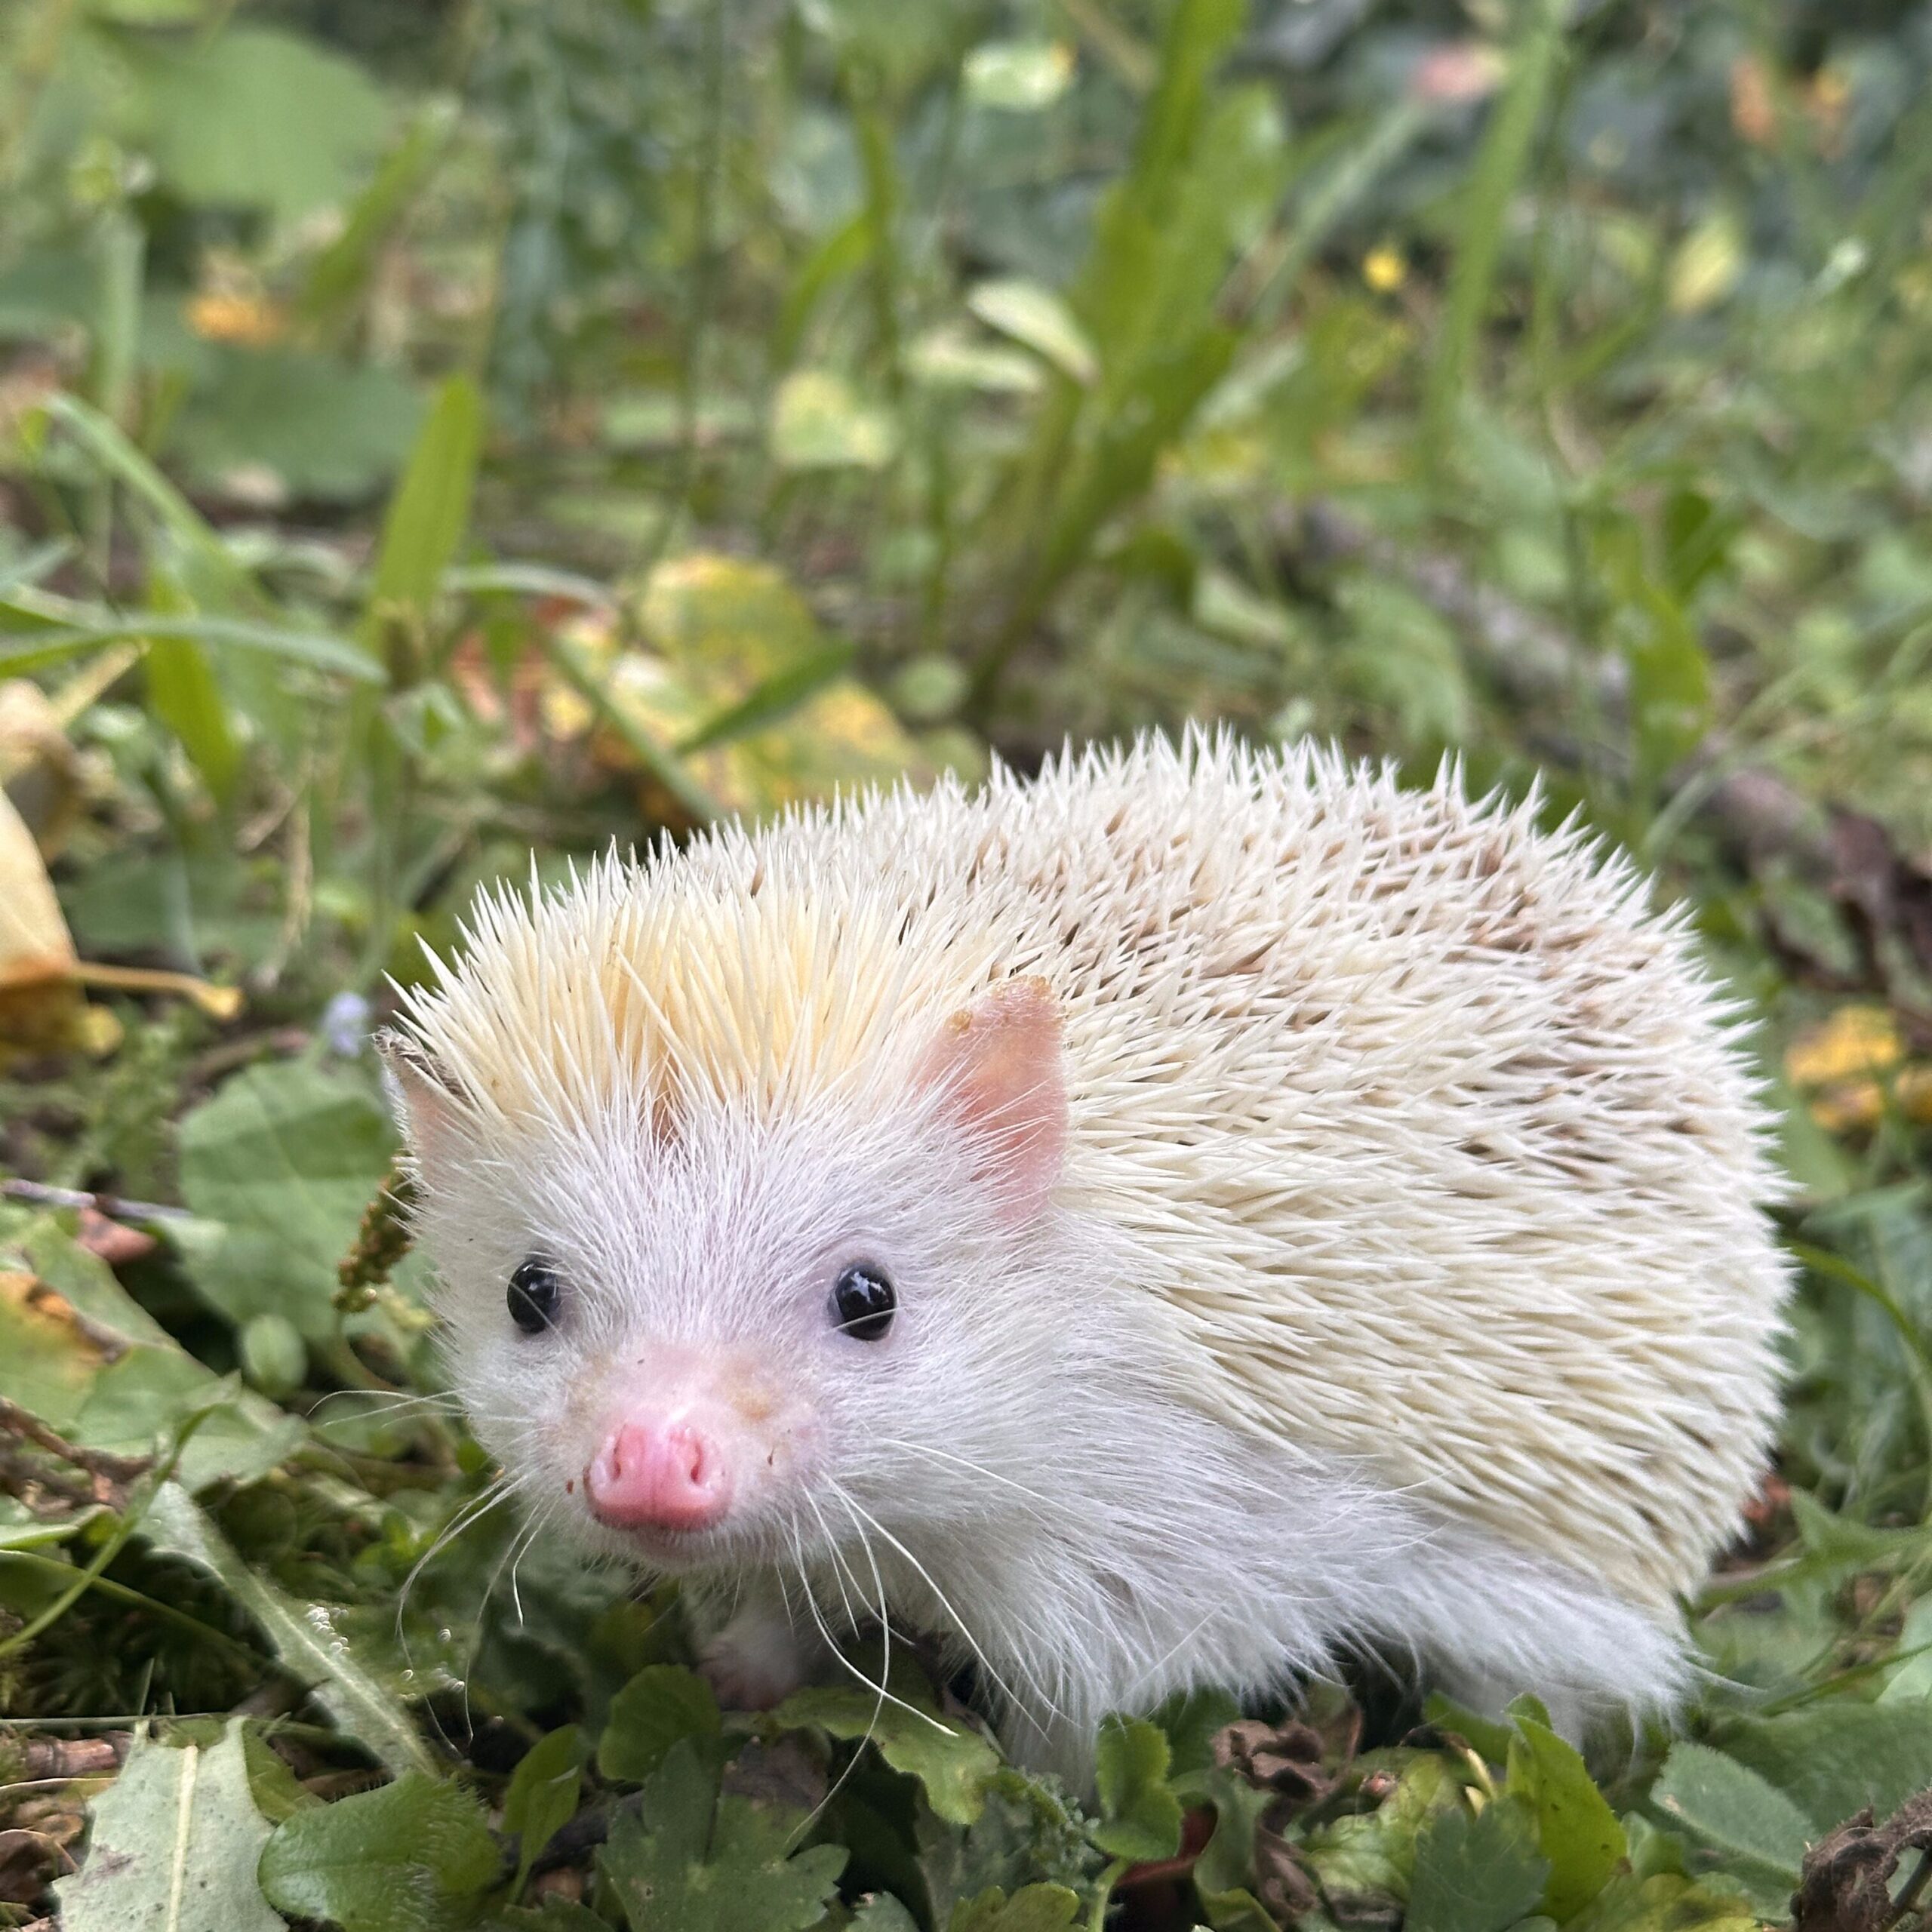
x=755, y=1662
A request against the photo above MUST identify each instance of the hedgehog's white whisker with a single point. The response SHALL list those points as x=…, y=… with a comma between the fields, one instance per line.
x=945, y=1604
x=967, y=1462
x=832, y=1643
x=472, y=1513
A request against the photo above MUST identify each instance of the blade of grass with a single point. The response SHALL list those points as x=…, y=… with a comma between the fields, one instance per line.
x=424, y=527
x=662, y=764
x=774, y=698
x=314, y=650
x=1500, y=164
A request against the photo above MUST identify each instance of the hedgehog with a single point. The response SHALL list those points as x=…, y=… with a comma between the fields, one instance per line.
x=1189, y=1220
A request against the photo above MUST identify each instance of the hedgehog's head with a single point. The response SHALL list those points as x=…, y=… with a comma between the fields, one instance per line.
x=706, y=1322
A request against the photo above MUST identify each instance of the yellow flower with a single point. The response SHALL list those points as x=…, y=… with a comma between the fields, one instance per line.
x=1384, y=269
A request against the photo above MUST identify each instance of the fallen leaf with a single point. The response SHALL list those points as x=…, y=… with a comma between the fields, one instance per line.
x=173, y=1847
x=1847, y=1882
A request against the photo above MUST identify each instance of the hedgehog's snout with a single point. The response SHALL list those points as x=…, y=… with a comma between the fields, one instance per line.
x=687, y=1441
x=658, y=1473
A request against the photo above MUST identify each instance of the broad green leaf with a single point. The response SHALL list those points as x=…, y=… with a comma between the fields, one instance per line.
x=1038, y=317
x=77, y=1351
x=1732, y=1807
x=1476, y=1873
x=1664, y=1903
x=661, y=1705
x=1373, y=1853
x=880, y=1911
x=1829, y=1759
x=818, y=422
x=1490, y=1739
x=307, y=1637
x=696, y=1862
x=1032, y=1909
x=1910, y=1681
x=416, y=1855
x=952, y=1763
x=1140, y=1816
x=286, y=1157
x=1576, y=1829
x=254, y=117
x=297, y=422
x=542, y=1795
x=1192, y=1720
x=172, y=1846
x=430, y=511
x=1017, y=76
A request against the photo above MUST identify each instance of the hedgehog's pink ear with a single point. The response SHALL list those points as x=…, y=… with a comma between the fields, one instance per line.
x=422, y=1099
x=996, y=1066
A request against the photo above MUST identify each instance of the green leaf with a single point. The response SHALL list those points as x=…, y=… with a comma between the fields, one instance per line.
x=819, y=422
x=1732, y=1807
x=297, y=423
x=1032, y=1909
x=254, y=117
x=1476, y=1873
x=1485, y=210
x=103, y=440
x=172, y=1846
x=183, y=694
x=340, y=275
x=285, y=1158
x=661, y=1707
x=880, y=1911
x=1666, y=1902
x=952, y=1763
x=416, y=1855
x=1140, y=1816
x=430, y=510
x=1576, y=1829
x=77, y=1351
x=694, y=1863
x=1038, y=317
x=1373, y=1853
x=1830, y=1759
x=772, y=700
x=1193, y=1719
x=305, y=1636
x=1489, y=1740
x=542, y=1795
x=1017, y=76
x=315, y=651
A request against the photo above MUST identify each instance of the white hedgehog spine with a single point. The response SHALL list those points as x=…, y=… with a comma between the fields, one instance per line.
x=1399, y=1259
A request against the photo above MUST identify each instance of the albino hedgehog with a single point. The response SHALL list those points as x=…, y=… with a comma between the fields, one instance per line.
x=1161, y=1224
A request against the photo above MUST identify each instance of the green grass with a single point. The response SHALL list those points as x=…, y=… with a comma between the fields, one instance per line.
x=725, y=405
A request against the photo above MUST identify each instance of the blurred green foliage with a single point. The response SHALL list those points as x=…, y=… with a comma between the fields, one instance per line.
x=433, y=432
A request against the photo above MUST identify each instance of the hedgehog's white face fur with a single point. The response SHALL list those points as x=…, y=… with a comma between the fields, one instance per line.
x=695, y=1246
x=1317, y=1212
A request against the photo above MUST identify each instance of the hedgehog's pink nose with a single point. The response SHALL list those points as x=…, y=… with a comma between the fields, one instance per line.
x=653, y=1473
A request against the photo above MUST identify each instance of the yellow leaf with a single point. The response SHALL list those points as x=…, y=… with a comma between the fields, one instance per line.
x=1706, y=266
x=1855, y=1040
x=38, y=766
x=41, y=1010
x=34, y=946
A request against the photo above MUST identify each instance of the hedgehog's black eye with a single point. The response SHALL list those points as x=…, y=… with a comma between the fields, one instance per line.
x=862, y=1302
x=535, y=1290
